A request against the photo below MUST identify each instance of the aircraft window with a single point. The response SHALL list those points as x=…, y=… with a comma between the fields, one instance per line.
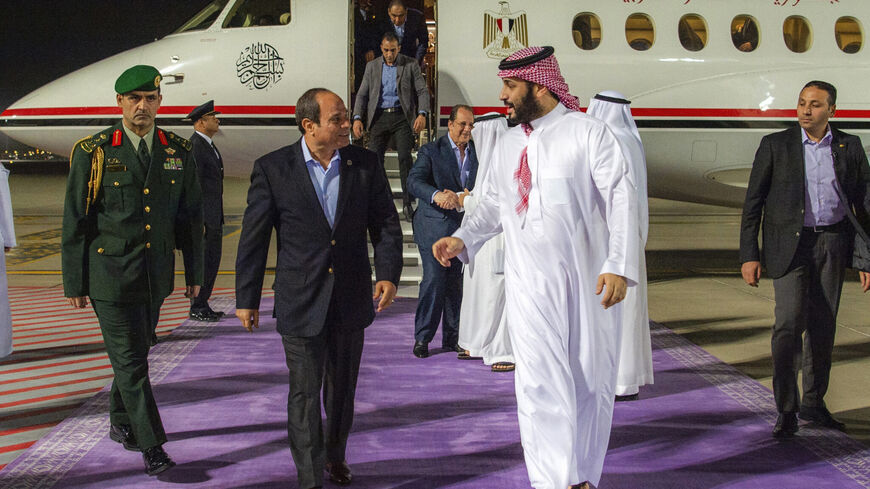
x=849, y=35
x=204, y=18
x=797, y=34
x=258, y=13
x=744, y=33
x=692, y=30
x=639, y=32
x=586, y=30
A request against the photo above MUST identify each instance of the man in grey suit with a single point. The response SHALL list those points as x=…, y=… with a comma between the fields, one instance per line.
x=392, y=100
x=810, y=186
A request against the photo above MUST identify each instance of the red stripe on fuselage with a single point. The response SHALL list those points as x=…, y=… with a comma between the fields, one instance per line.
x=165, y=110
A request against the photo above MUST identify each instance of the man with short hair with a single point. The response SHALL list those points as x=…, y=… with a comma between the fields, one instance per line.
x=810, y=186
x=445, y=169
x=388, y=99
x=210, y=170
x=131, y=199
x=409, y=26
x=562, y=193
x=323, y=197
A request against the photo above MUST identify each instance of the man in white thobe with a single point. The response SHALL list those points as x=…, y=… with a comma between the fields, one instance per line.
x=7, y=237
x=482, y=326
x=635, y=356
x=562, y=193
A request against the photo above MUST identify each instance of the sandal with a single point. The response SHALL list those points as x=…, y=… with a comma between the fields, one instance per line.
x=466, y=355
x=502, y=367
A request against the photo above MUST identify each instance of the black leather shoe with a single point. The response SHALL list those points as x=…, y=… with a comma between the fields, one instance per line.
x=156, y=460
x=339, y=472
x=821, y=416
x=421, y=350
x=626, y=398
x=408, y=212
x=453, y=347
x=207, y=316
x=123, y=434
x=786, y=426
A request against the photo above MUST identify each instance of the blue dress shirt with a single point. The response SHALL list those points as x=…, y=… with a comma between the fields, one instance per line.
x=325, y=181
x=389, y=89
x=822, y=206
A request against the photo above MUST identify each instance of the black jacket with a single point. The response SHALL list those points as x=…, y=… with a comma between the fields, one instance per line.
x=210, y=170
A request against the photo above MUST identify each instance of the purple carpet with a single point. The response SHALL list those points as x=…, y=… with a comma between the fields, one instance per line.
x=438, y=422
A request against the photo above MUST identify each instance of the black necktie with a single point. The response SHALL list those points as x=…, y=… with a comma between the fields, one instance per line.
x=220, y=158
x=144, y=157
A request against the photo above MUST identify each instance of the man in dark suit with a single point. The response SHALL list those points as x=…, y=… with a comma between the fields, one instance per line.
x=810, y=186
x=210, y=170
x=409, y=26
x=322, y=197
x=388, y=99
x=444, y=172
x=131, y=200
x=367, y=35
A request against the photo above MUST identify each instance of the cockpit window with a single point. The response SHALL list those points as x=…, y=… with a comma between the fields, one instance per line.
x=797, y=34
x=692, y=31
x=849, y=35
x=639, y=32
x=258, y=13
x=206, y=17
x=744, y=33
x=586, y=30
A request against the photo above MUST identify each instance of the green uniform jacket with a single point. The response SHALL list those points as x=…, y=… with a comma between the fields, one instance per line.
x=121, y=246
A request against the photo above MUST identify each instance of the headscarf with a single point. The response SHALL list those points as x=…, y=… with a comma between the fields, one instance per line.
x=539, y=65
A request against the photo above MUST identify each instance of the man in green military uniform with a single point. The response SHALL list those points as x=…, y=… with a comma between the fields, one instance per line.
x=132, y=198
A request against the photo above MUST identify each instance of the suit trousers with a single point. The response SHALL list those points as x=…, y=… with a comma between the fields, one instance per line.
x=331, y=360
x=126, y=329
x=385, y=125
x=440, y=299
x=211, y=249
x=807, y=300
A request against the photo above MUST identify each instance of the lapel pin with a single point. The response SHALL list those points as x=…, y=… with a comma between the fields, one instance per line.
x=349, y=162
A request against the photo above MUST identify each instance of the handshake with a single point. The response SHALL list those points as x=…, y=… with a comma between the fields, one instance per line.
x=448, y=199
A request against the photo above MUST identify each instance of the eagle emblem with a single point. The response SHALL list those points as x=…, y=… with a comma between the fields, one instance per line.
x=504, y=32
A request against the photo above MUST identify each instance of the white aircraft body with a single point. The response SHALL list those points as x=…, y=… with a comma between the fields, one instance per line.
x=703, y=95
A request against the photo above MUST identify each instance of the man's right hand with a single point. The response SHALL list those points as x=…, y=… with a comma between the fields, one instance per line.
x=77, y=302
x=751, y=271
x=447, y=199
x=446, y=248
x=357, y=129
x=250, y=318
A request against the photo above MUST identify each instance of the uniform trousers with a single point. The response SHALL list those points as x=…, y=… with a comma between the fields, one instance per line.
x=126, y=329
x=807, y=300
x=385, y=125
x=211, y=248
x=329, y=360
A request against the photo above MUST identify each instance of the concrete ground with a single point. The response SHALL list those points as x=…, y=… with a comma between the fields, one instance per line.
x=695, y=286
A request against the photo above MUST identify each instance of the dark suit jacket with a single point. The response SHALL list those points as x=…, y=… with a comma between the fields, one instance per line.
x=210, y=170
x=411, y=86
x=416, y=38
x=436, y=168
x=776, y=193
x=315, y=262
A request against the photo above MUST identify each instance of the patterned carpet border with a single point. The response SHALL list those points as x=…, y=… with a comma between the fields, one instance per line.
x=44, y=464
x=847, y=455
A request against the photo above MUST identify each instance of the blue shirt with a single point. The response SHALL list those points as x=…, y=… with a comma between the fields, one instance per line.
x=400, y=31
x=325, y=181
x=463, y=166
x=389, y=89
x=822, y=206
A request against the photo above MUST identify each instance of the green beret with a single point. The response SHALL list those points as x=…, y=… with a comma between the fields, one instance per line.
x=140, y=77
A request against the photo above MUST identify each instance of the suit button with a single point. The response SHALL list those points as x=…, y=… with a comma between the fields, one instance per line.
x=147, y=209
x=332, y=242
x=330, y=269
x=116, y=183
x=100, y=250
x=802, y=211
x=797, y=233
x=147, y=245
x=172, y=181
x=148, y=227
x=349, y=162
x=146, y=191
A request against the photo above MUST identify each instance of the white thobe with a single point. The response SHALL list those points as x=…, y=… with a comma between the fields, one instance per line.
x=7, y=238
x=581, y=222
x=482, y=327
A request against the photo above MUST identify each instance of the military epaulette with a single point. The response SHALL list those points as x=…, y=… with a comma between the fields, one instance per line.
x=184, y=143
x=90, y=143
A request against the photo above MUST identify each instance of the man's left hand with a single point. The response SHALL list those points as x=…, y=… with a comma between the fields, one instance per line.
x=419, y=123
x=865, y=280
x=386, y=290
x=191, y=291
x=616, y=287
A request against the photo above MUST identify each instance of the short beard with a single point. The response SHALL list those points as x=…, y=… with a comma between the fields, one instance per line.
x=528, y=109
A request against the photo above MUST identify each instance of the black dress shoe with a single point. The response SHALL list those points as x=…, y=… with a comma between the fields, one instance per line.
x=123, y=434
x=339, y=472
x=626, y=398
x=408, y=212
x=156, y=460
x=821, y=416
x=421, y=350
x=207, y=316
x=786, y=426
x=453, y=347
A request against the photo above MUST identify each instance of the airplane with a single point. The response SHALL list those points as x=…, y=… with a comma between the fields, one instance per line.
x=707, y=78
